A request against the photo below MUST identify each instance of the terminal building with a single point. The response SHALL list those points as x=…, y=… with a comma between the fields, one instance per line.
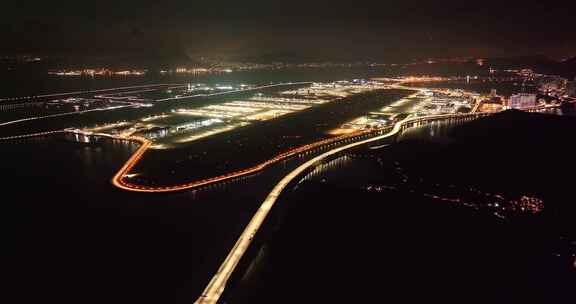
x=522, y=100
x=156, y=132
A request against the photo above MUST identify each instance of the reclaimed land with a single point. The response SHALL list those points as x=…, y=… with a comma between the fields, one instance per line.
x=253, y=144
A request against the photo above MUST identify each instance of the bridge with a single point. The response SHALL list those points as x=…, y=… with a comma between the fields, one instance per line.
x=217, y=285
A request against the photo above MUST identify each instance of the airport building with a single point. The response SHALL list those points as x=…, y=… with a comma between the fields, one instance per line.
x=522, y=100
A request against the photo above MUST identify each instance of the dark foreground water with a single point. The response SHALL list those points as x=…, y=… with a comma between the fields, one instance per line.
x=70, y=237
x=417, y=221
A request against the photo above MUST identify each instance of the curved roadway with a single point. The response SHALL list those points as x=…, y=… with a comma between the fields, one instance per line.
x=119, y=179
x=216, y=286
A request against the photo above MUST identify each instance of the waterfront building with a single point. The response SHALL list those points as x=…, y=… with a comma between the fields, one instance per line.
x=522, y=100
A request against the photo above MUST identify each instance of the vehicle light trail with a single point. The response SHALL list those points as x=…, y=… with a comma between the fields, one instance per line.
x=118, y=179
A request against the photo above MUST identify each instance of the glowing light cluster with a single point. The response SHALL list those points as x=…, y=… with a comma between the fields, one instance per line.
x=98, y=72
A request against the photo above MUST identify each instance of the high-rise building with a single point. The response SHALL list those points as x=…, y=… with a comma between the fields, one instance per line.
x=522, y=100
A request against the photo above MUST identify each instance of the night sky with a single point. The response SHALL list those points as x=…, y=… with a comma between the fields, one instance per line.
x=300, y=29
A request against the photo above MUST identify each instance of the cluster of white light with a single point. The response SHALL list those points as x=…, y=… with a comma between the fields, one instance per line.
x=256, y=108
x=334, y=90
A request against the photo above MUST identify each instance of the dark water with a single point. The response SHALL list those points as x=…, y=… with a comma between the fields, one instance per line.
x=335, y=241
x=70, y=236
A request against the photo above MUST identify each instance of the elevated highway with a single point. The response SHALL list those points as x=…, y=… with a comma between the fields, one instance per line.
x=218, y=282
